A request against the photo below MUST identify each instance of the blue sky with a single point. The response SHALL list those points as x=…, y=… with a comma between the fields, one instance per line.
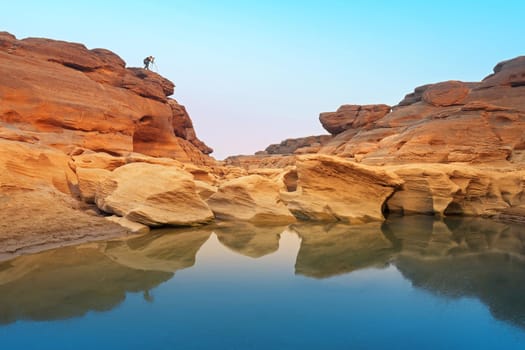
x=252, y=73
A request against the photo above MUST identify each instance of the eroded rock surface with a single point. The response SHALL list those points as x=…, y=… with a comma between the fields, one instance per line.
x=352, y=117
x=251, y=198
x=64, y=95
x=334, y=189
x=445, y=122
x=153, y=195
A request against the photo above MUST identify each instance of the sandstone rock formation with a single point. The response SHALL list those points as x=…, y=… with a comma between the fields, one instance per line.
x=352, y=117
x=68, y=117
x=63, y=95
x=37, y=210
x=443, y=189
x=331, y=188
x=310, y=144
x=250, y=198
x=131, y=226
x=153, y=195
x=443, y=123
x=183, y=127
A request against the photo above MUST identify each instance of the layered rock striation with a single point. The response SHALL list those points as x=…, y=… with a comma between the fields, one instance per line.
x=445, y=122
x=63, y=95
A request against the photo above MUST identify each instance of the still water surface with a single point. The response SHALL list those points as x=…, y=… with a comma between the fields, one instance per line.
x=408, y=283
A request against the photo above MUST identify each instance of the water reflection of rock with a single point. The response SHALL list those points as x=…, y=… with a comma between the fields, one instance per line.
x=67, y=282
x=467, y=257
x=248, y=239
x=454, y=257
x=163, y=250
x=328, y=250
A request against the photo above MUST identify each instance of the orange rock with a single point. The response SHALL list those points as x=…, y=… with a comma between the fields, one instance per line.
x=310, y=144
x=352, y=116
x=68, y=96
x=446, y=122
x=445, y=94
x=508, y=73
x=183, y=127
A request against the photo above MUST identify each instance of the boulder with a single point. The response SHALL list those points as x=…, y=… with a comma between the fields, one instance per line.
x=153, y=195
x=250, y=198
x=333, y=189
x=445, y=94
x=298, y=145
x=352, y=116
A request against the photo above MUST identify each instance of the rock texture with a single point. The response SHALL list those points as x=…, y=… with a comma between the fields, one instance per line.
x=63, y=95
x=310, y=144
x=441, y=123
x=250, y=198
x=333, y=189
x=69, y=116
x=153, y=195
x=260, y=161
x=443, y=189
x=37, y=210
x=352, y=117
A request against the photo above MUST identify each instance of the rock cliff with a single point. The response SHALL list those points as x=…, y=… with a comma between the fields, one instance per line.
x=68, y=117
x=63, y=95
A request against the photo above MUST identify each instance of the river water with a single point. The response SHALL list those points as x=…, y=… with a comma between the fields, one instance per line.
x=408, y=283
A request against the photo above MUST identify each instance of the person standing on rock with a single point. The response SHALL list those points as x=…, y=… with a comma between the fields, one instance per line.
x=147, y=61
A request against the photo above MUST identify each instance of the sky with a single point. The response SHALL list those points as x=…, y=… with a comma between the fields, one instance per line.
x=252, y=73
